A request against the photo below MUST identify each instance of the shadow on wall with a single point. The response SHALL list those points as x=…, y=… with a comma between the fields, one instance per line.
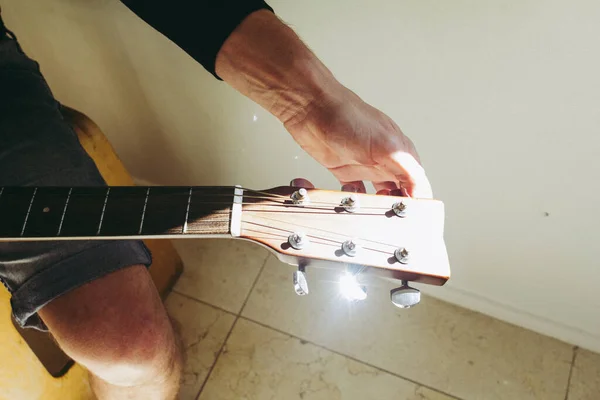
x=169, y=120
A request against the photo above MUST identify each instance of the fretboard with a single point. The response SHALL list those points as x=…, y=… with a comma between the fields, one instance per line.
x=36, y=213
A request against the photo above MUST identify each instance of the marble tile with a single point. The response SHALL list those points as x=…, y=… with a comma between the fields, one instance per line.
x=203, y=330
x=452, y=349
x=219, y=271
x=585, y=381
x=259, y=363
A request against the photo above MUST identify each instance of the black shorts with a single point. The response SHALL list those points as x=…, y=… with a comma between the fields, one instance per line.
x=38, y=148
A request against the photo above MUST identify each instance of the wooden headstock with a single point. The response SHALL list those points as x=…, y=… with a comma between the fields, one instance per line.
x=328, y=219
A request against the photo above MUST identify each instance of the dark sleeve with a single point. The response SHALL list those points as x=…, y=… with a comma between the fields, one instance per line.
x=199, y=27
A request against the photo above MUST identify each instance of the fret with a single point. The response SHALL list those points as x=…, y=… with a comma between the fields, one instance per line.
x=144, y=211
x=63, y=212
x=14, y=204
x=166, y=210
x=84, y=211
x=28, y=211
x=187, y=212
x=62, y=218
x=123, y=211
x=46, y=211
x=103, y=210
x=210, y=210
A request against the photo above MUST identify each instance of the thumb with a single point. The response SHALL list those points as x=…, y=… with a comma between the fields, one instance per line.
x=409, y=173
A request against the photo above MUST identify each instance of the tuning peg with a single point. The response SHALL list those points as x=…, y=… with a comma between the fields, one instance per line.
x=300, y=283
x=298, y=240
x=405, y=296
x=402, y=255
x=300, y=197
x=399, y=209
x=350, y=203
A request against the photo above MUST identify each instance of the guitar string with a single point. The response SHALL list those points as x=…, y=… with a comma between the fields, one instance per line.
x=185, y=192
x=284, y=207
x=335, y=242
x=200, y=222
x=325, y=231
x=269, y=196
x=275, y=203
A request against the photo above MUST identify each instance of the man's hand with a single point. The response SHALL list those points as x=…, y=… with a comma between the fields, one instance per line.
x=266, y=61
x=357, y=142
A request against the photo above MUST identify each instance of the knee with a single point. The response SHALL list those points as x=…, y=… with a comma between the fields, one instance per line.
x=140, y=352
x=118, y=328
x=140, y=356
x=143, y=357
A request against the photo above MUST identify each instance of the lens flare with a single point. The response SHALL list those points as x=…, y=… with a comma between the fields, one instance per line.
x=351, y=289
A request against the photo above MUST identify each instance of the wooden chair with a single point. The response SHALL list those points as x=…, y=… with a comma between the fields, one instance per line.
x=32, y=366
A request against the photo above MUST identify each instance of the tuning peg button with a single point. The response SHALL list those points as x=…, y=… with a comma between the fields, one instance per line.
x=300, y=283
x=405, y=296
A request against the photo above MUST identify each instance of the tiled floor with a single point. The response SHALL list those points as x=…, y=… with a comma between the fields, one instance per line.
x=247, y=335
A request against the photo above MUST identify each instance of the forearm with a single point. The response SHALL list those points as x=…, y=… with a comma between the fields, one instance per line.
x=265, y=60
x=199, y=27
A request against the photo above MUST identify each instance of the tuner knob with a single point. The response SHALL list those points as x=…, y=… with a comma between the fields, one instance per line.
x=300, y=283
x=405, y=296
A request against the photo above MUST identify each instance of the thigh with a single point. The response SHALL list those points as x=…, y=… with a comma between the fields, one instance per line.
x=38, y=148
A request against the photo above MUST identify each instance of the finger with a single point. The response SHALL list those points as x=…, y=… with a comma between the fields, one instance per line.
x=301, y=182
x=410, y=174
x=383, y=192
x=399, y=192
x=356, y=186
x=385, y=185
x=356, y=172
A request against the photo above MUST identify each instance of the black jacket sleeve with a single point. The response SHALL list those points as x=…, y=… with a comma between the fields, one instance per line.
x=199, y=27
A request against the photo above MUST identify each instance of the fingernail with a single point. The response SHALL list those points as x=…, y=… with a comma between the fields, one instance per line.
x=301, y=182
x=349, y=187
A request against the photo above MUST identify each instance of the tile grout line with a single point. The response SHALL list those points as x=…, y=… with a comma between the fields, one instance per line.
x=262, y=267
x=203, y=302
x=212, y=367
x=237, y=317
x=575, y=349
x=353, y=359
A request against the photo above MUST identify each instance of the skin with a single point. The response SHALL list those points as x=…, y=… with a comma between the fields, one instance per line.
x=352, y=139
x=116, y=326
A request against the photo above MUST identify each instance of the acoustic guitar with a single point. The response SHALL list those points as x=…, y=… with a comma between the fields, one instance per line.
x=398, y=238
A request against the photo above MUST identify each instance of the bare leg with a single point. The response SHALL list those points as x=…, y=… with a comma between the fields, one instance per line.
x=119, y=330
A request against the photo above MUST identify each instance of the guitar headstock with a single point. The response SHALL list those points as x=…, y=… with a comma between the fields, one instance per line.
x=395, y=237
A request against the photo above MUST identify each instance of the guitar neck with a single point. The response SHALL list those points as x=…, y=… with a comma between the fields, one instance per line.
x=61, y=213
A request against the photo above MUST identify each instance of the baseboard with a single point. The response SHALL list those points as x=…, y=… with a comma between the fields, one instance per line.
x=515, y=316
x=500, y=311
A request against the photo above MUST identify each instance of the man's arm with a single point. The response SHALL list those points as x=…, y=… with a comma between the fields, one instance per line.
x=264, y=59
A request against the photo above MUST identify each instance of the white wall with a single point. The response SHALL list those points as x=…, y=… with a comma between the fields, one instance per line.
x=501, y=98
